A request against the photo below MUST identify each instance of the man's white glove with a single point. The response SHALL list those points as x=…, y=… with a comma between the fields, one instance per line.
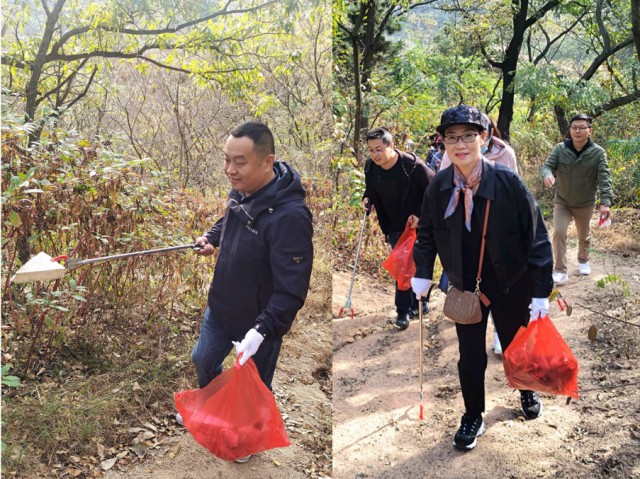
x=420, y=286
x=539, y=308
x=249, y=345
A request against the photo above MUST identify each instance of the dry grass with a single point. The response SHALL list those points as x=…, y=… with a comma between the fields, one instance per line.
x=119, y=372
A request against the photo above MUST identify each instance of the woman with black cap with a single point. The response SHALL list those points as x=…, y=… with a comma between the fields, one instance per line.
x=517, y=262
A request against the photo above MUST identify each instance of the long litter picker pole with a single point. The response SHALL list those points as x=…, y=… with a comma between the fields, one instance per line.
x=420, y=327
x=73, y=263
x=347, y=304
x=43, y=267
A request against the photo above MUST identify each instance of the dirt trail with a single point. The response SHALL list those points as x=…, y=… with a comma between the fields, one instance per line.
x=376, y=429
x=301, y=384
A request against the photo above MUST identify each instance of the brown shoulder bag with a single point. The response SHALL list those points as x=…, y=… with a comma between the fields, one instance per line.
x=464, y=306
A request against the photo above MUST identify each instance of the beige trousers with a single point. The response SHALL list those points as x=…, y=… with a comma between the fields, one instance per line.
x=562, y=216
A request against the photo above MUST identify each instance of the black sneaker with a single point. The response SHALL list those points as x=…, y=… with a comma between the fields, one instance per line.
x=470, y=429
x=402, y=322
x=531, y=404
x=413, y=314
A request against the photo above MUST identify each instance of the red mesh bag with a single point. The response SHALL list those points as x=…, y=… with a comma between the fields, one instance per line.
x=400, y=262
x=540, y=360
x=235, y=415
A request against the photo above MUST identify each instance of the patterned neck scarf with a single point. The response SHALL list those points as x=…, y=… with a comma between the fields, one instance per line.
x=466, y=185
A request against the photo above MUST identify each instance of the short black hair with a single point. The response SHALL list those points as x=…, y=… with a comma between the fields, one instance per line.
x=380, y=134
x=582, y=116
x=261, y=135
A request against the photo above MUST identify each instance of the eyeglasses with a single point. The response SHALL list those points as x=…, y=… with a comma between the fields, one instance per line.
x=579, y=128
x=466, y=138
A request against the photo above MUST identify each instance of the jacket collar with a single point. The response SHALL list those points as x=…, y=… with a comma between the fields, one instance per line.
x=285, y=186
x=569, y=144
x=487, y=185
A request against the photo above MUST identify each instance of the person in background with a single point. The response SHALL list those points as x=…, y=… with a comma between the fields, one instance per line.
x=395, y=182
x=410, y=146
x=578, y=169
x=516, y=272
x=436, y=160
x=498, y=151
x=432, y=151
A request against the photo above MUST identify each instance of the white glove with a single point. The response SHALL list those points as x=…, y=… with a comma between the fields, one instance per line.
x=249, y=345
x=539, y=308
x=420, y=286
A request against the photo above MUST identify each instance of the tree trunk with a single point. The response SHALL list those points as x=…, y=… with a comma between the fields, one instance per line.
x=357, y=85
x=31, y=92
x=635, y=22
x=561, y=119
x=505, y=115
x=509, y=66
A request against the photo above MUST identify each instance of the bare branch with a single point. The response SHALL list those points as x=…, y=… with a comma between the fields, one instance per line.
x=616, y=102
x=558, y=37
x=606, y=39
x=62, y=83
x=157, y=31
x=541, y=12
x=600, y=59
x=12, y=62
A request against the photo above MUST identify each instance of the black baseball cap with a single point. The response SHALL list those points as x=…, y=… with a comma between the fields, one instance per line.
x=461, y=115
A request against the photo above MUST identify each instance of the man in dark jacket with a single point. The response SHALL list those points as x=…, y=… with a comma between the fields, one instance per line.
x=395, y=184
x=264, y=264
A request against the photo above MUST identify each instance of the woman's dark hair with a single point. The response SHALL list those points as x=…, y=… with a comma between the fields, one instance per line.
x=260, y=134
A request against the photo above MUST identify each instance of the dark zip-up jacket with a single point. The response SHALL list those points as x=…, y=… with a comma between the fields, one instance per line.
x=417, y=176
x=517, y=240
x=264, y=265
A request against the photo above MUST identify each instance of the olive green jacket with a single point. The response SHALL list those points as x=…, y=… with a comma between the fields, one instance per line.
x=579, y=177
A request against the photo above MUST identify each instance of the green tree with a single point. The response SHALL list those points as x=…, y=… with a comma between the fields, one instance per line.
x=361, y=43
x=57, y=47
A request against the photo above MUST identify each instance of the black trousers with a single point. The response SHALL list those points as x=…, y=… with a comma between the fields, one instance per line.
x=510, y=310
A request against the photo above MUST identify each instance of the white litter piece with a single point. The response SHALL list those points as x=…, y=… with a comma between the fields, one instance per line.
x=39, y=268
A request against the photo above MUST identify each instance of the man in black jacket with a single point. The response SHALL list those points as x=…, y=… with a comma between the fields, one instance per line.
x=395, y=184
x=264, y=264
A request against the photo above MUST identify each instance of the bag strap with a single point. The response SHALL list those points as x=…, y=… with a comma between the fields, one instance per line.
x=484, y=234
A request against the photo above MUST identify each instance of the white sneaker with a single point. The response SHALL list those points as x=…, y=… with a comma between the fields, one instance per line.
x=585, y=268
x=242, y=460
x=560, y=278
x=497, y=347
x=179, y=419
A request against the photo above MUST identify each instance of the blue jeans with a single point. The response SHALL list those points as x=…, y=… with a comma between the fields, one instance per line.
x=214, y=344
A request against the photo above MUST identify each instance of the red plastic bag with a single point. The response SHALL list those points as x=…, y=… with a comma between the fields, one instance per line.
x=400, y=262
x=235, y=415
x=540, y=360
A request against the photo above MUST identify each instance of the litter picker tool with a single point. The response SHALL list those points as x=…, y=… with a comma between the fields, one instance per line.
x=422, y=347
x=43, y=267
x=347, y=304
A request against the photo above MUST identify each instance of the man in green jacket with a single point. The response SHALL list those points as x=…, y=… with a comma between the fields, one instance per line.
x=577, y=168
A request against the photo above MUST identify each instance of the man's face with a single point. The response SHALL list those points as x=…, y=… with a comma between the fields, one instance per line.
x=381, y=154
x=580, y=131
x=463, y=154
x=244, y=167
